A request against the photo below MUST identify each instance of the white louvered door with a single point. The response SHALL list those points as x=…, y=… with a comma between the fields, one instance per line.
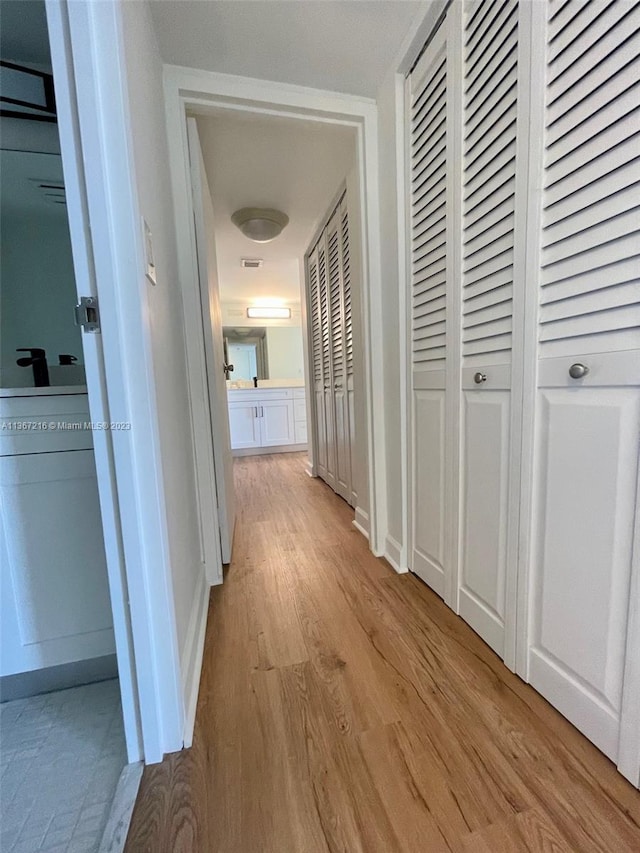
x=588, y=426
x=338, y=364
x=433, y=318
x=315, y=334
x=348, y=342
x=490, y=285
x=327, y=410
x=331, y=352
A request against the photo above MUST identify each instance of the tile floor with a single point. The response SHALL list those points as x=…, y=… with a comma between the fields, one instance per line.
x=61, y=755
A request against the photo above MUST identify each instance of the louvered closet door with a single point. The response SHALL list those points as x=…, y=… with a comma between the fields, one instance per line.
x=328, y=412
x=315, y=322
x=490, y=129
x=431, y=282
x=348, y=340
x=338, y=359
x=588, y=426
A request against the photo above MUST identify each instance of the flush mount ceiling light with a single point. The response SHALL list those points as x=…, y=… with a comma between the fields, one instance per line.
x=266, y=313
x=260, y=224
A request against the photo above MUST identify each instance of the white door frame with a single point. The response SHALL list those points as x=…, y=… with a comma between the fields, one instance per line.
x=201, y=91
x=108, y=246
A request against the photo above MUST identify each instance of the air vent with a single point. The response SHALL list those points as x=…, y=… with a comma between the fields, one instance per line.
x=251, y=263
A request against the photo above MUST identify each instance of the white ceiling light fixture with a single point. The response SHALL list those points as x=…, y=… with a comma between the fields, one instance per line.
x=268, y=313
x=260, y=224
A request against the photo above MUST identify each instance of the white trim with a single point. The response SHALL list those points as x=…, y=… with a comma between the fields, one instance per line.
x=361, y=522
x=393, y=554
x=629, y=738
x=267, y=451
x=454, y=34
x=536, y=73
x=114, y=214
x=420, y=31
x=192, y=656
x=200, y=91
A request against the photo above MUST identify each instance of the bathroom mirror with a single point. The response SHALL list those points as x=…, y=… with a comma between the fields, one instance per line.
x=272, y=352
x=37, y=288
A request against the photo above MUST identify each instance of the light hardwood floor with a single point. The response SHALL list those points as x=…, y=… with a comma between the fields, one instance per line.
x=344, y=708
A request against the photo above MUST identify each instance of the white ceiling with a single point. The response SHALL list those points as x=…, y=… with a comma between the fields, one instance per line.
x=339, y=45
x=260, y=161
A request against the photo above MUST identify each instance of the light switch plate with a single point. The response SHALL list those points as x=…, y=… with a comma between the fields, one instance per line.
x=150, y=266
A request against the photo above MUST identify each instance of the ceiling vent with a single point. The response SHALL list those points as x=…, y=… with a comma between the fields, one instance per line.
x=251, y=263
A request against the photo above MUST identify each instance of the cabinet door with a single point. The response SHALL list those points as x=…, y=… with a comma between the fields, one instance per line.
x=276, y=422
x=244, y=425
x=52, y=551
x=588, y=398
x=493, y=153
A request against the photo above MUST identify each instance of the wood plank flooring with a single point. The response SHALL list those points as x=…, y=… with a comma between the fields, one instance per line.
x=345, y=708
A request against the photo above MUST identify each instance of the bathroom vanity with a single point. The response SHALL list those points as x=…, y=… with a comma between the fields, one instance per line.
x=55, y=607
x=267, y=420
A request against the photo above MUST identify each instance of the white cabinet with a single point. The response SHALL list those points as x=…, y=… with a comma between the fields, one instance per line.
x=51, y=544
x=267, y=418
x=244, y=425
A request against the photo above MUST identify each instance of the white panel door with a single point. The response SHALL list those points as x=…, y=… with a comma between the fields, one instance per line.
x=244, y=424
x=588, y=418
x=55, y=554
x=277, y=425
x=491, y=158
x=432, y=313
x=212, y=341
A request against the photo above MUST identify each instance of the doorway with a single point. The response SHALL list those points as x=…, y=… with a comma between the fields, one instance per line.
x=210, y=106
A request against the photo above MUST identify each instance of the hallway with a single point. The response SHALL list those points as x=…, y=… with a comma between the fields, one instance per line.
x=343, y=707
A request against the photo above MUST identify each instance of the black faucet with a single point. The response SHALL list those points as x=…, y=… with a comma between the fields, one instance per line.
x=38, y=362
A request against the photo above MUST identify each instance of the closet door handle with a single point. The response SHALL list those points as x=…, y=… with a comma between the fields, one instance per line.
x=578, y=371
x=479, y=378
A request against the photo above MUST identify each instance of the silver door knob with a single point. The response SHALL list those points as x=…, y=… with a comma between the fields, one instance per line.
x=577, y=370
x=479, y=378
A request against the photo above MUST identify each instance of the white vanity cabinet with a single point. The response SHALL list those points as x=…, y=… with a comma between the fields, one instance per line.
x=55, y=606
x=267, y=419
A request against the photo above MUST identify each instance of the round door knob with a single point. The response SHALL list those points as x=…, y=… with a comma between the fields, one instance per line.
x=479, y=378
x=577, y=371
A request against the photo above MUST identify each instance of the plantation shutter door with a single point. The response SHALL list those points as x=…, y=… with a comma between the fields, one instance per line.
x=348, y=339
x=315, y=321
x=338, y=357
x=327, y=377
x=588, y=396
x=428, y=93
x=490, y=161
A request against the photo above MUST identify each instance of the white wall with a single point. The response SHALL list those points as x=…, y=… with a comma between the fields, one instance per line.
x=38, y=289
x=164, y=316
x=284, y=345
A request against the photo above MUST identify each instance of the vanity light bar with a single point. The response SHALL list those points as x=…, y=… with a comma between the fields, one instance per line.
x=269, y=313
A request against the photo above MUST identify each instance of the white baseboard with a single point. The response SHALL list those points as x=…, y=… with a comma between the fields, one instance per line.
x=267, y=451
x=361, y=522
x=194, y=649
x=393, y=554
